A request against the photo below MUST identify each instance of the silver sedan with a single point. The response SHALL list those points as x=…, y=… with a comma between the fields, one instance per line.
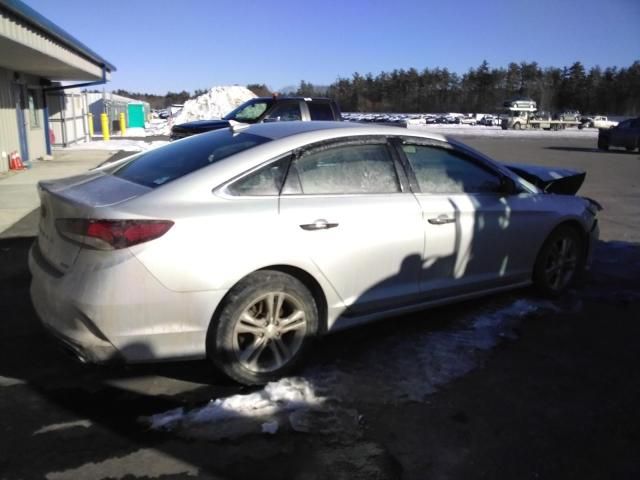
x=243, y=244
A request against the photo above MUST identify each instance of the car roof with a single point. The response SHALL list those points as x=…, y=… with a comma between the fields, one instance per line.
x=278, y=130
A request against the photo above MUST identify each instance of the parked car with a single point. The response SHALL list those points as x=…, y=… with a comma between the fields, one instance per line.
x=467, y=120
x=243, y=244
x=265, y=109
x=596, y=122
x=624, y=135
x=489, y=121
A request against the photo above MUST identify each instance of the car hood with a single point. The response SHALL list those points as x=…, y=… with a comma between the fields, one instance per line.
x=202, y=125
x=550, y=179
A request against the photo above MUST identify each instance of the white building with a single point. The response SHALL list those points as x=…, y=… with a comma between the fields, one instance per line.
x=34, y=54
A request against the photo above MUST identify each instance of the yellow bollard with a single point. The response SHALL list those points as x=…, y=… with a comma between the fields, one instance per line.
x=104, y=121
x=123, y=125
x=90, y=124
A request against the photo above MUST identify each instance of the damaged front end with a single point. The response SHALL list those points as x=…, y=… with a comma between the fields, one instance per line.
x=549, y=179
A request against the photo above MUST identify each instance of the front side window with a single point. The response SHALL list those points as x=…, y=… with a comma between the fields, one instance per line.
x=248, y=112
x=347, y=169
x=285, y=112
x=165, y=164
x=440, y=170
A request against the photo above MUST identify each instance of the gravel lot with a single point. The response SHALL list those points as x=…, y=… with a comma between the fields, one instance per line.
x=509, y=387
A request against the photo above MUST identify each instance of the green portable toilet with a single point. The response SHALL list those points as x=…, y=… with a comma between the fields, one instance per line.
x=136, y=115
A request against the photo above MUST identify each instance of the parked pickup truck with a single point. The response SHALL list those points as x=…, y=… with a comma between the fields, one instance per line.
x=265, y=109
x=597, y=122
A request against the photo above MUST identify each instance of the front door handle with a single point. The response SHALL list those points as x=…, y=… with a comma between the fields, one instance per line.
x=441, y=220
x=320, y=224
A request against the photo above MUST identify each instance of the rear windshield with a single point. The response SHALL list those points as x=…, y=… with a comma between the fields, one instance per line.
x=172, y=161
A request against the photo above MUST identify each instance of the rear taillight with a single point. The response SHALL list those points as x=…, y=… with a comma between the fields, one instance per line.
x=111, y=234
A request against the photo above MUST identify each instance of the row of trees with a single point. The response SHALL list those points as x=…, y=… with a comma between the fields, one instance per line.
x=484, y=89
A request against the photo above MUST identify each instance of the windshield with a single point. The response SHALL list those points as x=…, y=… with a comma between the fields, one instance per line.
x=249, y=112
x=165, y=164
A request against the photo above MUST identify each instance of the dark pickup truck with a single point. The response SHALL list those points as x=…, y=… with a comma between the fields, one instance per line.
x=265, y=109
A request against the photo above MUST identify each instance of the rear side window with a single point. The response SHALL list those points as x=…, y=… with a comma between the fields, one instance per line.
x=320, y=111
x=348, y=169
x=175, y=160
x=266, y=181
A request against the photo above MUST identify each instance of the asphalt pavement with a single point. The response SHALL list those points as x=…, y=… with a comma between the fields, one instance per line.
x=555, y=396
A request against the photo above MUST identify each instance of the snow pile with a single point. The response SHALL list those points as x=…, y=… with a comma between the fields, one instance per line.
x=216, y=103
x=262, y=411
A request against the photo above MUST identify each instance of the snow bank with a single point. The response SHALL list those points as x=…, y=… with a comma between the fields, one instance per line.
x=216, y=103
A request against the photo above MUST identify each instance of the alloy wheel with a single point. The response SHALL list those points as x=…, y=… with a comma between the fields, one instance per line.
x=561, y=263
x=269, y=332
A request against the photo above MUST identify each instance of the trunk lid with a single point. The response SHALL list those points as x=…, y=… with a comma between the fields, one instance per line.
x=76, y=197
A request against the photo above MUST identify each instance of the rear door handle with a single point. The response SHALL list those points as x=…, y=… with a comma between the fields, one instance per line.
x=320, y=224
x=441, y=220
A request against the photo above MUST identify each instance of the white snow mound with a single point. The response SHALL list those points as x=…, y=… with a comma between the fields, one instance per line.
x=286, y=395
x=216, y=103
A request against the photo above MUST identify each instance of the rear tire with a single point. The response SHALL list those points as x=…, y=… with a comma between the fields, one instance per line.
x=263, y=328
x=560, y=261
x=516, y=126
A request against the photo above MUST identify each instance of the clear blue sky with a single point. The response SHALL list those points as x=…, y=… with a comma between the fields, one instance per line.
x=160, y=45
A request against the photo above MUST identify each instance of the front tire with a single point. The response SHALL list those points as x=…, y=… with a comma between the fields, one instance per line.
x=516, y=126
x=559, y=262
x=263, y=329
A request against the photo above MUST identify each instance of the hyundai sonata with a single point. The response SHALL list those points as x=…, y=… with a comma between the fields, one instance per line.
x=243, y=244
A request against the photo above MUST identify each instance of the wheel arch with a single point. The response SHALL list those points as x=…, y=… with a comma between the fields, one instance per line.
x=576, y=225
x=299, y=274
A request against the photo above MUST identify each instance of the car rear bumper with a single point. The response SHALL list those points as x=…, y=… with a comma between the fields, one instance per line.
x=108, y=307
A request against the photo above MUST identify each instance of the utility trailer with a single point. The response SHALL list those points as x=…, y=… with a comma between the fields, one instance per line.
x=522, y=114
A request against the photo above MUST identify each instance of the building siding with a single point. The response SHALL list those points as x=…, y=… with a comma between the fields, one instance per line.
x=9, y=141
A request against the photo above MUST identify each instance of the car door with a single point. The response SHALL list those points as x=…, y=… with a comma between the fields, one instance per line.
x=477, y=236
x=346, y=206
x=620, y=135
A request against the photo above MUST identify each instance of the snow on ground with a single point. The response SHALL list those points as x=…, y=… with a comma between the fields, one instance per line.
x=126, y=145
x=262, y=411
x=408, y=365
x=216, y=103
x=481, y=131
